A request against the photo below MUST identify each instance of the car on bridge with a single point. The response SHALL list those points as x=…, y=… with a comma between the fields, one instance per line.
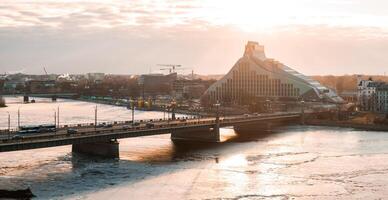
x=44, y=128
x=101, y=125
x=150, y=125
x=17, y=137
x=126, y=127
x=108, y=126
x=71, y=131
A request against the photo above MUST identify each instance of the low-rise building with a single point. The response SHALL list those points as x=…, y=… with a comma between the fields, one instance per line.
x=156, y=83
x=372, y=96
x=382, y=98
x=95, y=77
x=366, y=94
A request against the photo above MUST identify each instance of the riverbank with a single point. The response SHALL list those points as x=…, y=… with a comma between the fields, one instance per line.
x=346, y=124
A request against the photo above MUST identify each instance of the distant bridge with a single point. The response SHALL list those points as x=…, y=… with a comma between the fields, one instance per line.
x=49, y=95
x=45, y=95
x=53, y=96
x=103, y=140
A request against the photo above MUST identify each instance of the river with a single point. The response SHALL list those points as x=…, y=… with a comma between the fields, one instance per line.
x=297, y=162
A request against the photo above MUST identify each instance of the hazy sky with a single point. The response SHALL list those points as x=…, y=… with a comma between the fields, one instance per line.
x=131, y=37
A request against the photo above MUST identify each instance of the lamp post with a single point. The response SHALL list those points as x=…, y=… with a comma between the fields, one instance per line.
x=58, y=117
x=197, y=109
x=132, y=102
x=19, y=118
x=168, y=114
x=302, y=103
x=55, y=119
x=217, y=105
x=9, y=125
x=164, y=112
x=173, y=104
x=95, y=117
x=217, y=127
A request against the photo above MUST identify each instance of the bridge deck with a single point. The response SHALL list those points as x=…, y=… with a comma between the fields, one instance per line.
x=90, y=134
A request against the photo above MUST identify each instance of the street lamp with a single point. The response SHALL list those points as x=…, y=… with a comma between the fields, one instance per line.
x=9, y=125
x=55, y=119
x=217, y=126
x=18, y=118
x=58, y=117
x=302, y=110
x=168, y=113
x=132, y=102
x=173, y=104
x=199, y=113
x=217, y=105
x=95, y=117
x=164, y=112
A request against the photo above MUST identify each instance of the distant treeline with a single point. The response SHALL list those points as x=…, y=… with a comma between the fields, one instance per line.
x=345, y=82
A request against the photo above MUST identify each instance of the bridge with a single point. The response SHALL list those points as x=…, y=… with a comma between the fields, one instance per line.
x=102, y=140
x=53, y=96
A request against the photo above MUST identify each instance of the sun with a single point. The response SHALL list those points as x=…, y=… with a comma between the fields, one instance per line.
x=257, y=14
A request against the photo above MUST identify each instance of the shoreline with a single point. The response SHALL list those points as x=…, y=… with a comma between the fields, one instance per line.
x=366, y=127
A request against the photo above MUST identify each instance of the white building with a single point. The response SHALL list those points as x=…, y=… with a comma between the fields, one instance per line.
x=382, y=98
x=372, y=96
x=366, y=92
x=95, y=77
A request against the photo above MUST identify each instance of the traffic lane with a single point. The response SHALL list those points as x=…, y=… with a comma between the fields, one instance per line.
x=63, y=131
x=58, y=136
x=128, y=126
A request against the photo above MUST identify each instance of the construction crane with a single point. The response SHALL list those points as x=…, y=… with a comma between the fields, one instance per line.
x=44, y=69
x=170, y=67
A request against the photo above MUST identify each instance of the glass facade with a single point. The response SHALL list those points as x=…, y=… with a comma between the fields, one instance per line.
x=255, y=76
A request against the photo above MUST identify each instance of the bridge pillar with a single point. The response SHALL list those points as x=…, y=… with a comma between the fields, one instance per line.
x=26, y=99
x=199, y=135
x=108, y=149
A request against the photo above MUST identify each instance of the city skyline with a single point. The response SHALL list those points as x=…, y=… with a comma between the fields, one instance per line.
x=314, y=37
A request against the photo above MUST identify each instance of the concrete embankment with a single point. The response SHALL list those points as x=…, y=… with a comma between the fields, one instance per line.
x=368, y=127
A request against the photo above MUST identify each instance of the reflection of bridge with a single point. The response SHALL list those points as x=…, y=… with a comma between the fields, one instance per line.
x=103, y=140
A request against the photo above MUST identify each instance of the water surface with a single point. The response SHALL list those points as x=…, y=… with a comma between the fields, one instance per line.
x=291, y=163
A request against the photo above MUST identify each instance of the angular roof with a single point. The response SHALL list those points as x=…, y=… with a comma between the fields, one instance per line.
x=253, y=49
x=255, y=54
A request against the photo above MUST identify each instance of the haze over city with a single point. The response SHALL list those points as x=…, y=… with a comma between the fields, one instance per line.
x=314, y=37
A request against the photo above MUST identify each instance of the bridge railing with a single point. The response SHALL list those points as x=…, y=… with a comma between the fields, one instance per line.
x=90, y=125
x=142, y=121
x=173, y=124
